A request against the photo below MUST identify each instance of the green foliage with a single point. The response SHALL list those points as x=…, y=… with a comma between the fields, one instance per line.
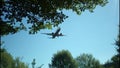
x=118, y=43
x=63, y=59
x=33, y=63
x=7, y=61
x=19, y=64
x=108, y=64
x=113, y=63
x=115, y=60
x=40, y=14
x=87, y=61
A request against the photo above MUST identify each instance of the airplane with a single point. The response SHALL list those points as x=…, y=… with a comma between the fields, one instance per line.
x=56, y=34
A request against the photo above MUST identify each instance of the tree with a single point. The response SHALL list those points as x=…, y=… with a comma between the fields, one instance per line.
x=117, y=43
x=87, y=61
x=108, y=64
x=63, y=59
x=115, y=60
x=7, y=61
x=19, y=64
x=40, y=14
x=33, y=63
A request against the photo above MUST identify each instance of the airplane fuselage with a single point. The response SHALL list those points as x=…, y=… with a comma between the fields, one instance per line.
x=56, y=34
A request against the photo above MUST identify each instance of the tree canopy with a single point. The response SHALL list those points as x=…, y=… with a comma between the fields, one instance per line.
x=7, y=60
x=40, y=14
x=87, y=61
x=115, y=60
x=63, y=59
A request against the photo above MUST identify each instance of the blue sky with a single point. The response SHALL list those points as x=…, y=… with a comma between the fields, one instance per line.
x=91, y=33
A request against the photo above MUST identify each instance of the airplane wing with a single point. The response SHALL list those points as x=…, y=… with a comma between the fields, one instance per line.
x=61, y=35
x=56, y=34
x=47, y=33
x=57, y=31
